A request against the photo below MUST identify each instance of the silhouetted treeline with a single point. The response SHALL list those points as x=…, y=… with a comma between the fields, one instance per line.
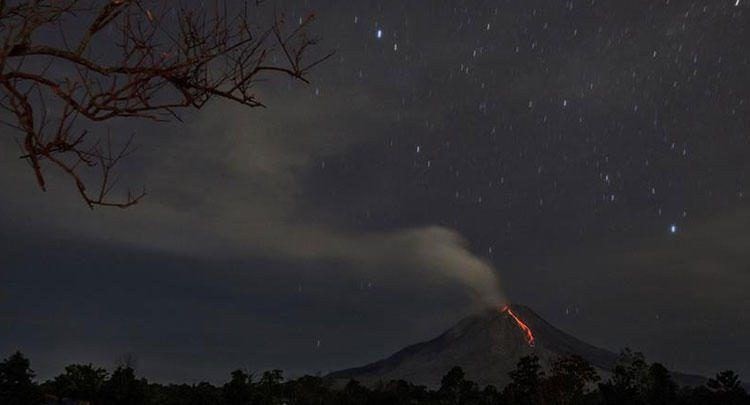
x=568, y=380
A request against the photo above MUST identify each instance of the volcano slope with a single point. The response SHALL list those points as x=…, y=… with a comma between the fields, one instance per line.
x=487, y=346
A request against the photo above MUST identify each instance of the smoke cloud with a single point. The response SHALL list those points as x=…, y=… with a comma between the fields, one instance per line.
x=231, y=187
x=429, y=252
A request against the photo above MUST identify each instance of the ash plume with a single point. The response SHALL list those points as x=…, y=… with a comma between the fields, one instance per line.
x=243, y=200
x=430, y=252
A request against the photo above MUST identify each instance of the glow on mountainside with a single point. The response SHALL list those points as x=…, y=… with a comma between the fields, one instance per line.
x=529, y=335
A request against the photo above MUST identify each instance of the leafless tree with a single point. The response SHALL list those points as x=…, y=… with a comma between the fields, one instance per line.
x=68, y=64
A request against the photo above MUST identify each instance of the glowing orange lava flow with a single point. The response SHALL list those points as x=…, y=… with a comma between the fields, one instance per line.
x=526, y=330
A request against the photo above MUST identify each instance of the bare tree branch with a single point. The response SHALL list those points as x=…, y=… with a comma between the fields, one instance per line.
x=132, y=59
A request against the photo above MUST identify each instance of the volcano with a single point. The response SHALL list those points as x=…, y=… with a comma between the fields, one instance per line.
x=487, y=346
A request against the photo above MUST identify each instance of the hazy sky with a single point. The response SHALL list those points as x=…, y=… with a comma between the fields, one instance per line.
x=591, y=154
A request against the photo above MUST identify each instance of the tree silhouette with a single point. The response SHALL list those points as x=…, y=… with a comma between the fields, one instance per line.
x=661, y=389
x=570, y=381
x=456, y=389
x=354, y=393
x=570, y=377
x=526, y=382
x=491, y=396
x=270, y=386
x=629, y=380
x=81, y=382
x=68, y=65
x=450, y=385
x=205, y=394
x=124, y=388
x=239, y=390
x=16, y=381
x=399, y=392
x=727, y=388
x=308, y=390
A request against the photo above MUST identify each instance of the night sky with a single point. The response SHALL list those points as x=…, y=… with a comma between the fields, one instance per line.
x=594, y=153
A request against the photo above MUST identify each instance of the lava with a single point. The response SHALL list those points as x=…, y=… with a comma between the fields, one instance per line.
x=521, y=325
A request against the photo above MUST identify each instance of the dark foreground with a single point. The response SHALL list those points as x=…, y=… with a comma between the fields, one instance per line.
x=567, y=380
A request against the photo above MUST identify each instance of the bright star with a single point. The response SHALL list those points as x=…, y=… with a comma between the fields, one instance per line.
x=379, y=34
x=673, y=228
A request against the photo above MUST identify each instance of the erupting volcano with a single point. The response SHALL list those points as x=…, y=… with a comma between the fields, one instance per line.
x=526, y=330
x=487, y=345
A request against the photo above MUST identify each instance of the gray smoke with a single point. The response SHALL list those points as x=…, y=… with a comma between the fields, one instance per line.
x=230, y=187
